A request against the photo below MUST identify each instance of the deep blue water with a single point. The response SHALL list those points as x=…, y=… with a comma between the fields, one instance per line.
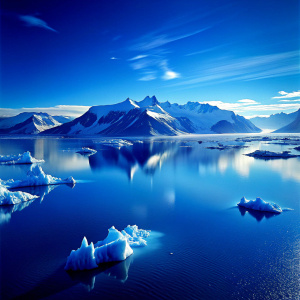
x=186, y=194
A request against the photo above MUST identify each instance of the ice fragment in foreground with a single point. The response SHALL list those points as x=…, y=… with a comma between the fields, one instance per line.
x=115, y=247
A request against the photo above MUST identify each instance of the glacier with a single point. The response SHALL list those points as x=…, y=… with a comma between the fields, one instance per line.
x=10, y=198
x=115, y=247
x=24, y=158
x=36, y=176
x=260, y=205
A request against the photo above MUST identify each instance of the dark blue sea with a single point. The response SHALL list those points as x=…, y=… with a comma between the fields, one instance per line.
x=202, y=245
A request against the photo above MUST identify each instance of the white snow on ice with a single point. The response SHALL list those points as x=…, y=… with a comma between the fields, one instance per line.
x=261, y=205
x=35, y=177
x=10, y=198
x=115, y=247
x=24, y=158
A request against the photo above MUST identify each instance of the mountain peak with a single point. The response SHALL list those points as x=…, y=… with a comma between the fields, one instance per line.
x=148, y=101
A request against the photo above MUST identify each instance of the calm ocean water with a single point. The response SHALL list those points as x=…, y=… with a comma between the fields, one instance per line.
x=186, y=194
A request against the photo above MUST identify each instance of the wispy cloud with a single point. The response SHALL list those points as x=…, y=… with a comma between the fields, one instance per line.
x=154, y=40
x=148, y=77
x=66, y=110
x=138, y=57
x=245, y=69
x=32, y=21
x=168, y=73
x=113, y=58
x=287, y=95
x=290, y=100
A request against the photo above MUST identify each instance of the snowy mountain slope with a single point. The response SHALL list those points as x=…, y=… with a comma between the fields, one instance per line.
x=150, y=117
x=35, y=124
x=293, y=127
x=274, y=121
x=12, y=121
x=63, y=119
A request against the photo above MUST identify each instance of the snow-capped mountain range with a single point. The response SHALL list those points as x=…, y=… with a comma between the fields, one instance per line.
x=30, y=123
x=150, y=117
x=274, y=121
x=293, y=127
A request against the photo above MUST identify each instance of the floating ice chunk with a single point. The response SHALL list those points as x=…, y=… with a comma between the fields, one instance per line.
x=9, y=198
x=113, y=235
x=86, y=150
x=115, y=143
x=24, y=158
x=115, y=247
x=117, y=250
x=136, y=237
x=271, y=155
x=261, y=205
x=35, y=177
x=83, y=258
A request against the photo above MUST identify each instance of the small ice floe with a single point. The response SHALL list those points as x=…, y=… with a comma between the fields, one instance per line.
x=228, y=145
x=86, y=150
x=261, y=205
x=35, y=177
x=297, y=148
x=264, y=154
x=116, y=143
x=115, y=247
x=10, y=198
x=24, y=158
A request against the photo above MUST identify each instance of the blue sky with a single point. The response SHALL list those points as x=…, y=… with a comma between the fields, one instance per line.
x=69, y=55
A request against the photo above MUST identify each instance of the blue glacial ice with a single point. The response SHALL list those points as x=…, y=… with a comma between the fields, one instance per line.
x=35, y=177
x=10, y=198
x=260, y=205
x=24, y=158
x=115, y=247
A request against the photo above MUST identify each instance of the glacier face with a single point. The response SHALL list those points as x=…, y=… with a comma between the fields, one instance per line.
x=150, y=117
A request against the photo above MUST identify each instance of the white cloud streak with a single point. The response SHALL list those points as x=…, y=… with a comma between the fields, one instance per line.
x=246, y=69
x=59, y=110
x=287, y=95
x=32, y=21
x=153, y=40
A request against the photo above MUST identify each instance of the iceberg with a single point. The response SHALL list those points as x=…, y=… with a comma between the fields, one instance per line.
x=35, y=177
x=271, y=155
x=261, y=205
x=10, y=198
x=86, y=150
x=115, y=247
x=24, y=158
x=83, y=258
